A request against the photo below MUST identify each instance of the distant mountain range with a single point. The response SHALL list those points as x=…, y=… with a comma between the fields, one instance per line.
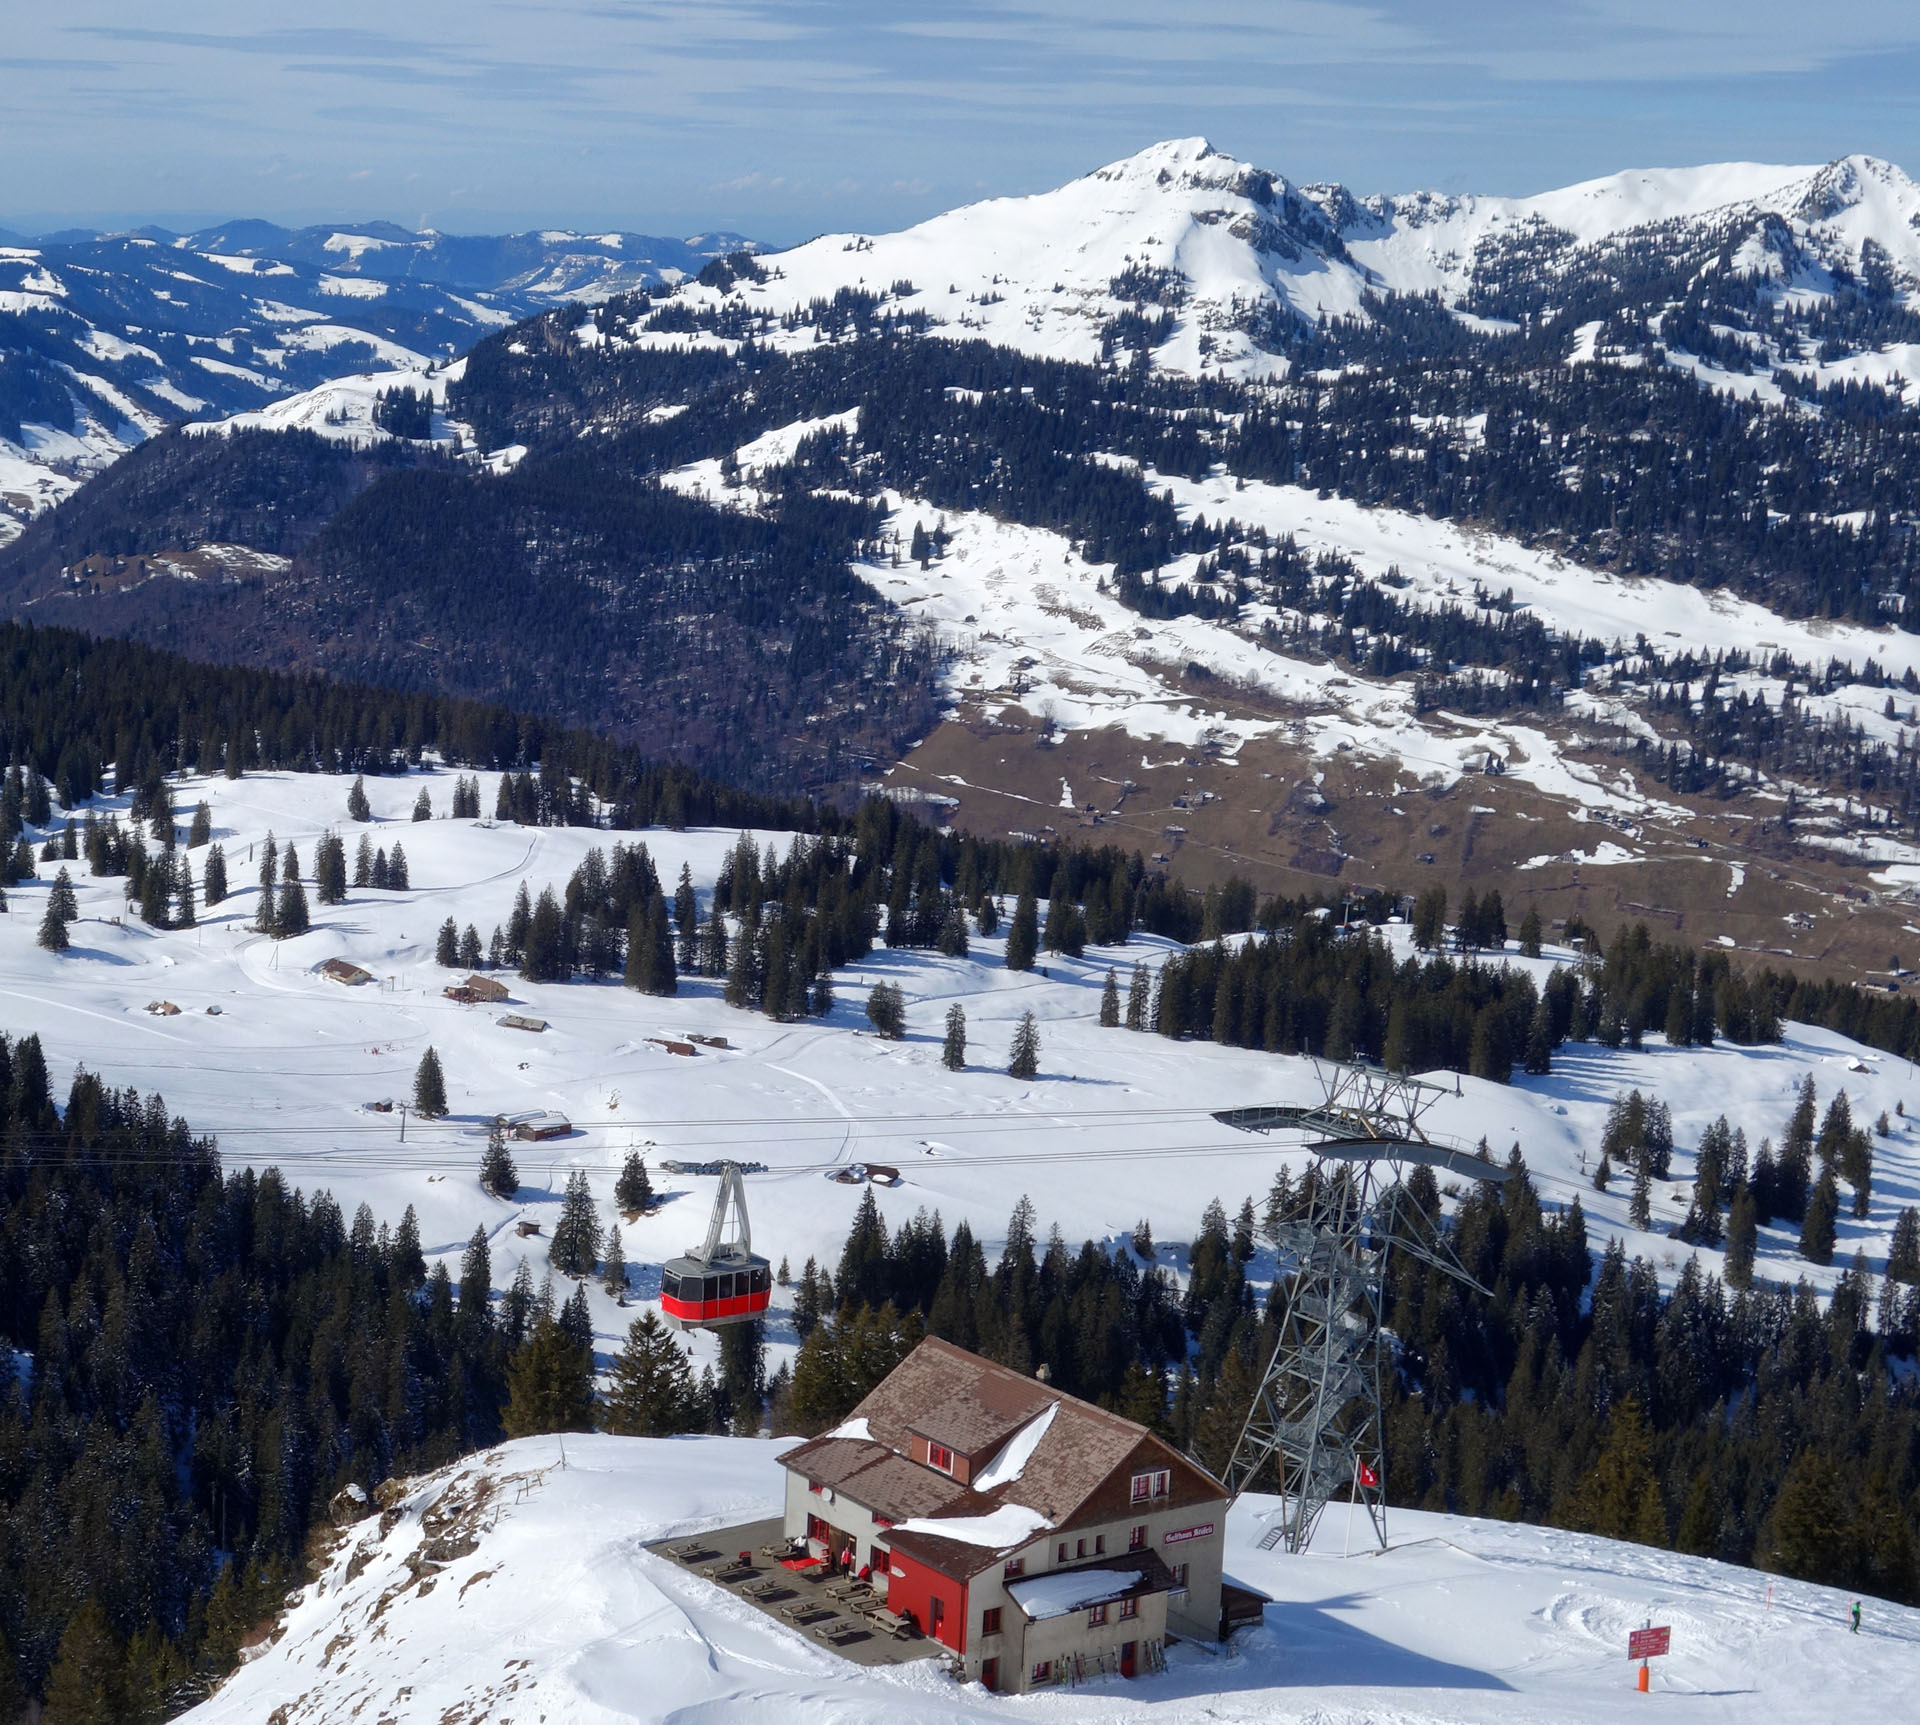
x=107, y=338
x=1214, y=265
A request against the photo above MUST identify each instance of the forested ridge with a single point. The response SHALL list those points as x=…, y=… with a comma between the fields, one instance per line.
x=745, y=641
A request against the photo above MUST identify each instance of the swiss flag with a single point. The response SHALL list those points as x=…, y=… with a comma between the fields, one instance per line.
x=1368, y=1476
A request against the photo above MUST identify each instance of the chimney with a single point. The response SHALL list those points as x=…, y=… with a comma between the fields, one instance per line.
x=1043, y=1372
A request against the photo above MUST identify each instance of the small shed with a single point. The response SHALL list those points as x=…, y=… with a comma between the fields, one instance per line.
x=526, y=1230
x=541, y=1124
x=520, y=1021
x=486, y=988
x=341, y=971
x=708, y=1041
x=673, y=1045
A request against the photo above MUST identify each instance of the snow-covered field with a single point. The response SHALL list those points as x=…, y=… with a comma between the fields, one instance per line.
x=1116, y=1128
x=560, y=1616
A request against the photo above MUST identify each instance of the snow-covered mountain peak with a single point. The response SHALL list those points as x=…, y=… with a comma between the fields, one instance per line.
x=1211, y=262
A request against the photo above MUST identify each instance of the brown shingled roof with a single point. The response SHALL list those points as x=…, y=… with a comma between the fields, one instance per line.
x=870, y=1473
x=974, y=1407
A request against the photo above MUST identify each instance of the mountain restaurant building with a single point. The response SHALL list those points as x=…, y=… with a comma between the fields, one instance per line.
x=1039, y=1537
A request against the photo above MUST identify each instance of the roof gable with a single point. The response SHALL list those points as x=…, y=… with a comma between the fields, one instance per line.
x=1078, y=1464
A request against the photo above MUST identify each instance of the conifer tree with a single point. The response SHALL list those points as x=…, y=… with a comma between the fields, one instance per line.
x=1903, y=1250
x=1139, y=993
x=652, y=1392
x=613, y=1263
x=214, y=877
x=549, y=1384
x=1805, y=1535
x=1620, y=1496
x=53, y=929
x=363, y=863
x=358, y=808
x=472, y=955
x=713, y=943
x=290, y=914
x=397, y=870
x=1640, y=1206
x=1819, y=1225
x=476, y=1276
x=423, y=806
x=686, y=920
x=953, y=1051
x=1023, y=1057
x=887, y=1011
x=633, y=1191
x=1742, y=1240
x=201, y=830
x=498, y=1175
x=1110, y=1002
x=1539, y=1055
x=446, y=945
x=407, y=1263
x=1530, y=933
x=330, y=869
x=66, y=906
x=576, y=1235
x=85, y=1685
x=1023, y=933
x=185, y=915
x=429, y=1087
x=269, y=880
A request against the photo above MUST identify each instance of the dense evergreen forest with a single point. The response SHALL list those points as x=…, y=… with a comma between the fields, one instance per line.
x=747, y=643
x=204, y=1358
x=1746, y=1423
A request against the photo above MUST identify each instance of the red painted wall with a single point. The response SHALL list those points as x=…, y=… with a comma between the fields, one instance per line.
x=911, y=1590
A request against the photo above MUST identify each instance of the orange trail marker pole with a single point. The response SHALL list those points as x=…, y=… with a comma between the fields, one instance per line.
x=1645, y=1678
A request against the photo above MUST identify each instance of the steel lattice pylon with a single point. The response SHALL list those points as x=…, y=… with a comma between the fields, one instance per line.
x=1317, y=1413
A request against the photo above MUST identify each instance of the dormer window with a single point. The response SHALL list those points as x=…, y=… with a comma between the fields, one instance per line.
x=938, y=1455
x=1149, y=1486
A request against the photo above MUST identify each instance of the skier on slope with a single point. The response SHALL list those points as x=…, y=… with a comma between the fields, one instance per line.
x=1855, y=1630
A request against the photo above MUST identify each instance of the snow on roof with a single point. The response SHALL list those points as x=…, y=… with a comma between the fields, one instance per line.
x=1010, y=1525
x=1006, y=1467
x=1068, y=1590
x=855, y=1428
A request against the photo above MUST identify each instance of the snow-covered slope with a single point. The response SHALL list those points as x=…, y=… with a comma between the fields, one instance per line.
x=1117, y=1127
x=1428, y=241
x=1227, y=248
x=558, y=1614
x=104, y=340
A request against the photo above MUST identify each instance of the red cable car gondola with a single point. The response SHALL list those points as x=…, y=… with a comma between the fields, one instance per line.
x=723, y=1282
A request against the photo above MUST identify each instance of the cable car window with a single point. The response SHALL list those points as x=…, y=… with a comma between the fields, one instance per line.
x=712, y=1290
x=762, y=1279
x=726, y=1286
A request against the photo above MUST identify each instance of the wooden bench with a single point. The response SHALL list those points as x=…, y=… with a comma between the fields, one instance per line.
x=899, y=1627
x=839, y=1633
x=804, y=1610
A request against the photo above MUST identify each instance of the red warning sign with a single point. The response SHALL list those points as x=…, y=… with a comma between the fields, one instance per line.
x=1648, y=1643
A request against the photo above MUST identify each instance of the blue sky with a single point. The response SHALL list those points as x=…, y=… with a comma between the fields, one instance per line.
x=783, y=118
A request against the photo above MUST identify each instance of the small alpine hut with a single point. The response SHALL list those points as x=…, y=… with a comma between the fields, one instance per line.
x=1042, y=1539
